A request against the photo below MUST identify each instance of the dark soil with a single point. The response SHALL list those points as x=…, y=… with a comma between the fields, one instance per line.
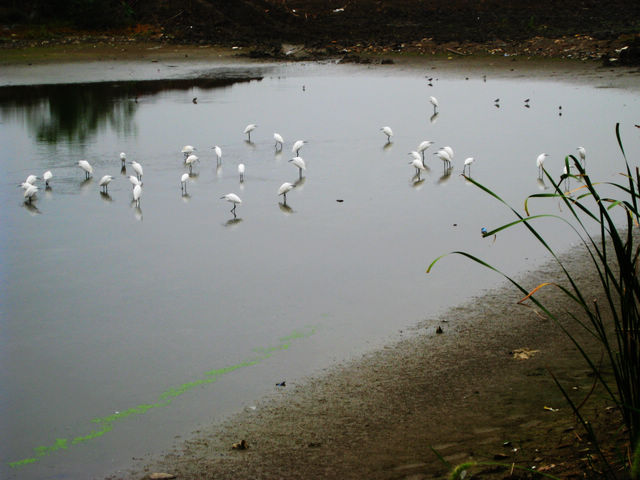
x=572, y=28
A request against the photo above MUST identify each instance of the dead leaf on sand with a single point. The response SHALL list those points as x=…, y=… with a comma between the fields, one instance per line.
x=523, y=353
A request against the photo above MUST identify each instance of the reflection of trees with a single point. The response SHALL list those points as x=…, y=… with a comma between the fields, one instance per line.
x=74, y=112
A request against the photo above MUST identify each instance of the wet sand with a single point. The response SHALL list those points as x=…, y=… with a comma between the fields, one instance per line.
x=461, y=392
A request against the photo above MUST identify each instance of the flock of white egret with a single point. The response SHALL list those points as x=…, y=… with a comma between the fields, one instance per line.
x=446, y=154
x=190, y=159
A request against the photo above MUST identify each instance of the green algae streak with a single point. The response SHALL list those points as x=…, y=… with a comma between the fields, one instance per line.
x=165, y=399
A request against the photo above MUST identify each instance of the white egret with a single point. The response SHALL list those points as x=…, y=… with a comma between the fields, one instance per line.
x=86, y=166
x=284, y=188
x=46, y=176
x=423, y=146
x=449, y=150
x=25, y=185
x=218, y=152
x=30, y=192
x=297, y=146
x=540, y=162
x=467, y=163
x=31, y=179
x=104, y=183
x=137, y=193
x=191, y=159
x=188, y=150
x=134, y=180
x=388, y=132
x=183, y=182
x=123, y=158
x=248, y=129
x=444, y=156
x=299, y=162
x=583, y=155
x=417, y=163
x=279, y=140
x=434, y=102
x=137, y=168
x=232, y=198
x=241, y=171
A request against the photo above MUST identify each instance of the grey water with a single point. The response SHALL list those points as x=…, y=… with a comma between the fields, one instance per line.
x=125, y=328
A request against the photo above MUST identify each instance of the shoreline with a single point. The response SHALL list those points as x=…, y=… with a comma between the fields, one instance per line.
x=462, y=393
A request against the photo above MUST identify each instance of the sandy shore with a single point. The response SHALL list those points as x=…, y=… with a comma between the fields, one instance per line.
x=461, y=392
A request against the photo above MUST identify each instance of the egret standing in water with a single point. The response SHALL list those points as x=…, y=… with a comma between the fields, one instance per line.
x=188, y=150
x=388, y=132
x=232, y=198
x=137, y=193
x=191, y=159
x=241, y=171
x=279, y=141
x=299, y=162
x=423, y=146
x=123, y=158
x=137, y=168
x=30, y=192
x=284, y=188
x=444, y=156
x=583, y=156
x=104, y=183
x=31, y=179
x=218, y=151
x=86, y=166
x=248, y=129
x=467, y=163
x=434, y=102
x=183, y=182
x=540, y=163
x=46, y=176
x=417, y=163
x=134, y=180
x=297, y=146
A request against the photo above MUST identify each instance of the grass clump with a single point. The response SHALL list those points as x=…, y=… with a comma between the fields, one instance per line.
x=614, y=252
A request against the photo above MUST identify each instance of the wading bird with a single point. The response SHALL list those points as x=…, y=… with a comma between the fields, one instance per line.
x=467, y=163
x=218, y=151
x=232, y=198
x=183, y=182
x=423, y=146
x=388, y=132
x=279, y=140
x=137, y=193
x=137, y=168
x=46, y=176
x=104, y=183
x=540, y=162
x=241, y=171
x=188, y=150
x=434, y=102
x=297, y=146
x=123, y=158
x=86, y=166
x=248, y=129
x=284, y=188
x=190, y=161
x=30, y=193
x=299, y=162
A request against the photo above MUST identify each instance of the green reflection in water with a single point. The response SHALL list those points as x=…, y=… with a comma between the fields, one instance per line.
x=105, y=424
x=75, y=112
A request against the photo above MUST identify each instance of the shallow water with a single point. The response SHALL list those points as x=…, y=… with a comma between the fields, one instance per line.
x=124, y=327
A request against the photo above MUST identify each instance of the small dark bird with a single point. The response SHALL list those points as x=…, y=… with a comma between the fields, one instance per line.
x=439, y=329
x=526, y=100
x=195, y=100
x=281, y=384
x=496, y=100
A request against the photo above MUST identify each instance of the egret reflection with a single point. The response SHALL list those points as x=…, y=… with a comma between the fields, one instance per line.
x=284, y=208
